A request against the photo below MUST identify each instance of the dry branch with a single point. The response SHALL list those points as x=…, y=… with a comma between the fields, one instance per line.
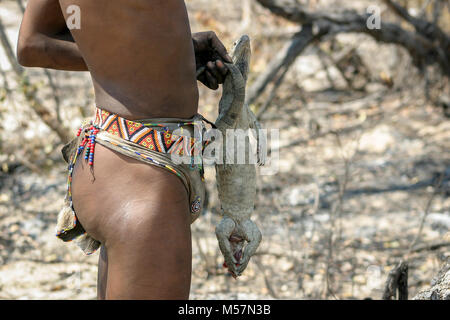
x=283, y=60
x=30, y=91
x=428, y=45
x=424, y=27
x=430, y=246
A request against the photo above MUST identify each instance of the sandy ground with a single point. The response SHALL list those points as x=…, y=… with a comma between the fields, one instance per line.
x=359, y=169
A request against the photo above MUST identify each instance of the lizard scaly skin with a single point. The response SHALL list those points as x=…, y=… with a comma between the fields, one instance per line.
x=236, y=183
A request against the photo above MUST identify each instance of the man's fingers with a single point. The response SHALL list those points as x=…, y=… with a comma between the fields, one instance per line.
x=211, y=55
x=222, y=67
x=213, y=74
x=212, y=68
x=203, y=79
x=211, y=81
x=218, y=47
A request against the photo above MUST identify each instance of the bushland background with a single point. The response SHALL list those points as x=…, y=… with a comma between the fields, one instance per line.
x=360, y=202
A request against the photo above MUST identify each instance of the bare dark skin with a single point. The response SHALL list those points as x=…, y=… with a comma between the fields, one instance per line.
x=142, y=59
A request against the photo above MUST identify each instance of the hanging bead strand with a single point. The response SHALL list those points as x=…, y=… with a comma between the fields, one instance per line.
x=94, y=130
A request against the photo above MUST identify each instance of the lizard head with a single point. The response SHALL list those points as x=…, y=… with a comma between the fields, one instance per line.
x=241, y=55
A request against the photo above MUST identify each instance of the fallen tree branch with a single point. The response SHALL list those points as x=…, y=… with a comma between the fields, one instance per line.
x=424, y=27
x=429, y=46
x=283, y=60
x=430, y=246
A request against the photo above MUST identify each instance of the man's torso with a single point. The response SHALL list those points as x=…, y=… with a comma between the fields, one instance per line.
x=140, y=56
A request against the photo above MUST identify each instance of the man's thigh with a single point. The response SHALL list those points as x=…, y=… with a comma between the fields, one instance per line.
x=152, y=260
x=141, y=215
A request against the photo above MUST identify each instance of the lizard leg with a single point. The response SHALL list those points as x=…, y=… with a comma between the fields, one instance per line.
x=224, y=231
x=252, y=235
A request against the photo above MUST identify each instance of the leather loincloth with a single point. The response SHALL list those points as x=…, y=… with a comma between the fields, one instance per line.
x=153, y=141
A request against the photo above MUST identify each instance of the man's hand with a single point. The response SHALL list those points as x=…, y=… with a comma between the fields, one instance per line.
x=211, y=54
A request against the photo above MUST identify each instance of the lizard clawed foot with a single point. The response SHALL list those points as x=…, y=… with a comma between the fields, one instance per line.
x=237, y=244
x=232, y=237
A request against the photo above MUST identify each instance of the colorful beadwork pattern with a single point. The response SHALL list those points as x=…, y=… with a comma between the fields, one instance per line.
x=152, y=136
x=143, y=134
x=163, y=141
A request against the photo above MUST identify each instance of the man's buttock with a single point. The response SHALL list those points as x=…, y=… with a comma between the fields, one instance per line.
x=162, y=143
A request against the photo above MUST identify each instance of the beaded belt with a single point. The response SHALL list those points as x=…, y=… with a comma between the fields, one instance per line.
x=157, y=135
x=154, y=136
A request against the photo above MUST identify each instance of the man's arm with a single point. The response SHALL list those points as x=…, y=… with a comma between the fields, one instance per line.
x=45, y=41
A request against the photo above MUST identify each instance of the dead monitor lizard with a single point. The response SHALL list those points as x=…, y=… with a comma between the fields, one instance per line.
x=238, y=235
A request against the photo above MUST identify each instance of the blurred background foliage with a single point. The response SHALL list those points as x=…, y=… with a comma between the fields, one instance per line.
x=364, y=169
